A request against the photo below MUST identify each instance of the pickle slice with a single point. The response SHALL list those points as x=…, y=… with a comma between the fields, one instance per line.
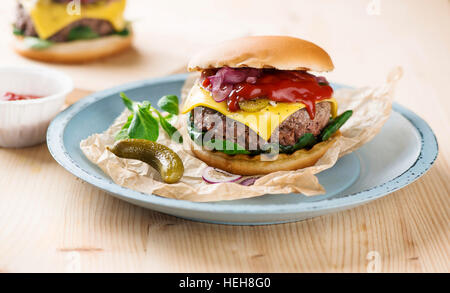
x=163, y=159
x=253, y=105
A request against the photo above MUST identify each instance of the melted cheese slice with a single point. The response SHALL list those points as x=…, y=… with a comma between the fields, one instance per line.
x=263, y=122
x=50, y=17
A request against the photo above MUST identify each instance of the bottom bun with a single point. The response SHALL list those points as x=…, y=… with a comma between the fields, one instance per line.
x=253, y=165
x=76, y=51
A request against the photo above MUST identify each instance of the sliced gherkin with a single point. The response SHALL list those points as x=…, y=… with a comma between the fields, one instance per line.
x=253, y=105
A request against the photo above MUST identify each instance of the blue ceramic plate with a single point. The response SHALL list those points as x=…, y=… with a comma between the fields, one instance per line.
x=404, y=150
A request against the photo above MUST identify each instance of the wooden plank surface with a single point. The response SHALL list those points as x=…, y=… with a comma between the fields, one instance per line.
x=52, y=221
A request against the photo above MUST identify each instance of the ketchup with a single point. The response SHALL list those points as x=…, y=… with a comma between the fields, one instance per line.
x=280, y=86
x=9, y=96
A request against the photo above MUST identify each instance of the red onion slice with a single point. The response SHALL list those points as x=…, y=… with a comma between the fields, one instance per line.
x=251, y=79
x=232, y=75
x=220, y=95
x=249, y=181
x=213, y=176
x=321, y=80
x=253, y=72
x=225, y=79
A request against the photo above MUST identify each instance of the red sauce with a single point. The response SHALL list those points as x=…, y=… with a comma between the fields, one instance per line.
x=9, y=96
x=280, y=86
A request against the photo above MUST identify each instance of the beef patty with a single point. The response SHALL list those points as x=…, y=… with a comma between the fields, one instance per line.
x=288, y=133
x=25, y=24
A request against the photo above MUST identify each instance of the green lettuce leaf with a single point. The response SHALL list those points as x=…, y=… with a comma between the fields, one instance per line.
x=144, y=122
x=82, y=33
x=36, y=43
x=123, y=133
x=227, y=147
x=169, y=128
x=169, y=104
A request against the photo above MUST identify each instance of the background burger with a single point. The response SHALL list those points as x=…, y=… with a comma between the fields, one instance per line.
x=54, y=31
x=255, y=97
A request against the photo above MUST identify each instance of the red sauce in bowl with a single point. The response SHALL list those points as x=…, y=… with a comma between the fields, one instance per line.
x=9, y=96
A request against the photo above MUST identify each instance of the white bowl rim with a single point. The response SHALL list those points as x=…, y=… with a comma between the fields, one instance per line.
x=59, y=76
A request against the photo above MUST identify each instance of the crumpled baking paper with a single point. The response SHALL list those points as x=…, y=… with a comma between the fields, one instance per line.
x=371, y=108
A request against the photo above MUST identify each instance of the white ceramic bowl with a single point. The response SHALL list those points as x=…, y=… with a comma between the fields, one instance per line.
x=24, y=123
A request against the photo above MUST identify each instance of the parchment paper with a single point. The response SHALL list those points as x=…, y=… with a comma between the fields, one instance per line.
x=371, y=109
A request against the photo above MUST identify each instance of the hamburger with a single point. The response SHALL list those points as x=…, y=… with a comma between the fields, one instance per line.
x=256, y=107
x=65, y=31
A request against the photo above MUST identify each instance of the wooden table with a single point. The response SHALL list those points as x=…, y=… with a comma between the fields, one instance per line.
x=52, y=221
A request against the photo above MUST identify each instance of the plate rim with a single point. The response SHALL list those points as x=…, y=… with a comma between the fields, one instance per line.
x=55, y=143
